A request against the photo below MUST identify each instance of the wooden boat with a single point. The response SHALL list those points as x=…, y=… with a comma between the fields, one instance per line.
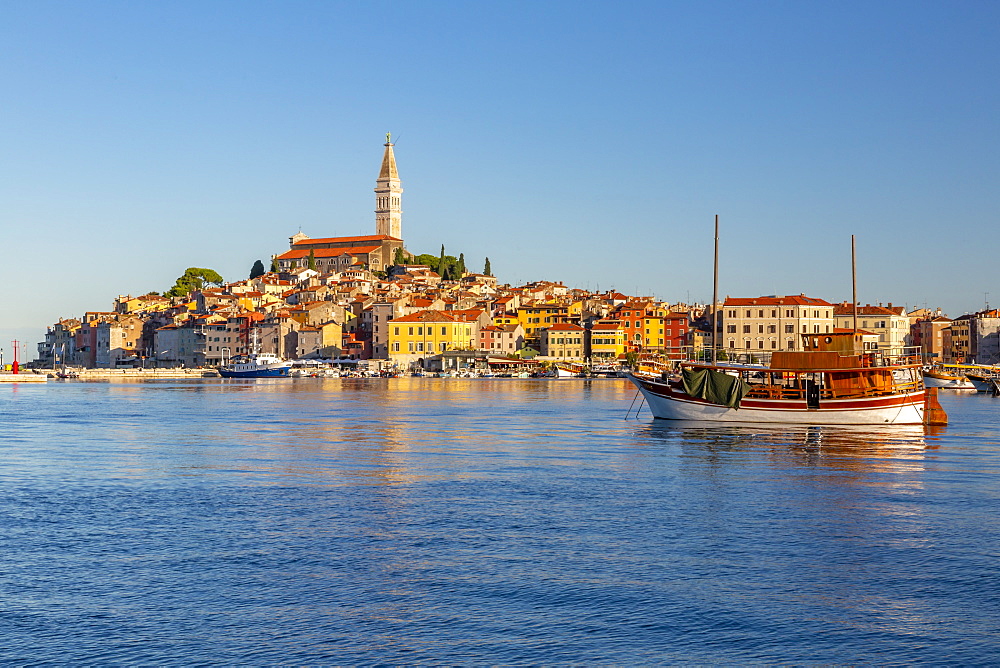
x=802, y=387
x=833, y=379
x=983, y=381
x=950, y=376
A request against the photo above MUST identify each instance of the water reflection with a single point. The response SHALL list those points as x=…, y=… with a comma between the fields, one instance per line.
x=860, y=448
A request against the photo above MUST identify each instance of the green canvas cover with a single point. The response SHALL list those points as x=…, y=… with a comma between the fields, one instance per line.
x=715, y=386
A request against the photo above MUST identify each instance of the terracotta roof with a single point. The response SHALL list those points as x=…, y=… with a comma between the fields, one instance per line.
x=296, y=254
x=428, y=315
x=773, y=300
x=867, y=309
x=344, y=240
x=565, y=327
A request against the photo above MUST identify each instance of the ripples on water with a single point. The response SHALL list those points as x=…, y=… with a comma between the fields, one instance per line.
x=490, y=521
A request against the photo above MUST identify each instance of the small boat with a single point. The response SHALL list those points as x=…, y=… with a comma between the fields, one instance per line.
x=256, y=365
x=949, y=377
x=983, y=381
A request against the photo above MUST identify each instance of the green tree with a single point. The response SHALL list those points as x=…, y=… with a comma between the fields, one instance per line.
x=487, y=270
x=442, y=268
x=274, y=265
x=257, y=269
x=427, y=259
x=461, y=265
x=194, y=278
x=399, y=258
x=311, y=260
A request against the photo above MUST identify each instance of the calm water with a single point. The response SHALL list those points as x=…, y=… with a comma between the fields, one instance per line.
x=485, y=521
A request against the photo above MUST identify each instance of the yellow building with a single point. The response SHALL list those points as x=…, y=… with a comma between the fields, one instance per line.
x=607, y=341
x=536, y=316
x=427, y=333
x=564, y=342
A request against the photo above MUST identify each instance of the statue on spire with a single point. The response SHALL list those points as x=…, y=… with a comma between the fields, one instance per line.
x=387, y=136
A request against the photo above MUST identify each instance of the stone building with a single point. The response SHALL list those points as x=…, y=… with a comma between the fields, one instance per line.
x=374, y=252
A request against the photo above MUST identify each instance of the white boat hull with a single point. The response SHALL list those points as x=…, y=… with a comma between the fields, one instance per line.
x=948, y=383
x=669, y=404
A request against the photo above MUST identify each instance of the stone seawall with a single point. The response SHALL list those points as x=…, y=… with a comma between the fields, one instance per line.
x=136, y=374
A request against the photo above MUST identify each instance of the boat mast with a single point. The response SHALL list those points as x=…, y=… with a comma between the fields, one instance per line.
x=715, y=292
x=854, y=291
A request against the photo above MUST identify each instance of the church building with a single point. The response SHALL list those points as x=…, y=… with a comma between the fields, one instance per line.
x=375, y=252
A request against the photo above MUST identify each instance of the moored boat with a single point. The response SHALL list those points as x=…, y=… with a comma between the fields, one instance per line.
x=796, y=387
x=256, y=365
x=983, y=381
x=950, y=376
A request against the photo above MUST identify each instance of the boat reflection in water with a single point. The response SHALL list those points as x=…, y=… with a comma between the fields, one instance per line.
x=847, y=447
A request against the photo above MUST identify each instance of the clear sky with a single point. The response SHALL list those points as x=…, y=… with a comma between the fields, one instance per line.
x=588, y=142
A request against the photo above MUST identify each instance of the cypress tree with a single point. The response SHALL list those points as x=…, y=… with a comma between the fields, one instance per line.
x=461, y=265
x=274, y=264
x=486, y=269
x=257, y=269
x=311, y=264
x=441, y=268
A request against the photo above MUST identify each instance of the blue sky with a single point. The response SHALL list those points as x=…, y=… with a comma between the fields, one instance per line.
x=586, y=142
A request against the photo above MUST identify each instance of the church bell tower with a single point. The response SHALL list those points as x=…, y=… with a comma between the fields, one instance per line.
x=388, y=196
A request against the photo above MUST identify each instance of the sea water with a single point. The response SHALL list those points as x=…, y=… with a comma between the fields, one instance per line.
x=489, y=521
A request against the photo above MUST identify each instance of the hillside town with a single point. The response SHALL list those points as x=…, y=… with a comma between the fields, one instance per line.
x=365, y=298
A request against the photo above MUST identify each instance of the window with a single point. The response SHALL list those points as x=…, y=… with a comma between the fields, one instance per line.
x=746, y=343
x=411, y=331
x=789, y=329
x=748, y=313
x=395, y=347
x=420, y=346
x=760, y=313
x=815, y=329
x=771, y=329
x=746, y=329
x=730, y=329
x=760, y=329
x=774, y=344
x=760, y=344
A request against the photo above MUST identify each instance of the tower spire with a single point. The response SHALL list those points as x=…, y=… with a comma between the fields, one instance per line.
x=388, y=195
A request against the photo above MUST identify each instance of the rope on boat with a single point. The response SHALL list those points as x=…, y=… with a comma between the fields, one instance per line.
x=637, y=392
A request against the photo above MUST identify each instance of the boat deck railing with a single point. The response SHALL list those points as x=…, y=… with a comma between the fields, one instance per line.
x=737, y=357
